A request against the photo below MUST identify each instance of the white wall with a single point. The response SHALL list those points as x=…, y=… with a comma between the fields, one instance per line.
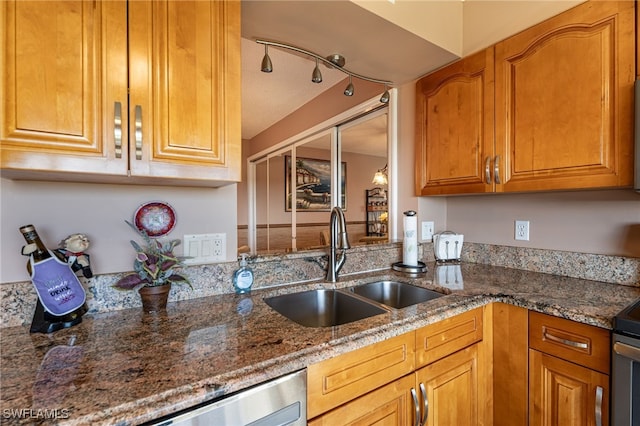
x=60, y=209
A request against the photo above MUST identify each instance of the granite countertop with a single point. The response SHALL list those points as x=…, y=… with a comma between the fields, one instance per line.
x=127, y=367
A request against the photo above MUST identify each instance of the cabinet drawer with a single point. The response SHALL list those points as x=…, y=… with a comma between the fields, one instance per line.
x=388, y=405
x=337, y=380
x=445, y=337
x=579, y=343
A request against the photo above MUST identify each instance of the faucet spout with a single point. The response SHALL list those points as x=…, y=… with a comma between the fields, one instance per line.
x=339, y=242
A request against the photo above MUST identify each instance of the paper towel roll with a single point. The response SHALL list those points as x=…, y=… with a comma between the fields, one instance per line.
x=410, y=242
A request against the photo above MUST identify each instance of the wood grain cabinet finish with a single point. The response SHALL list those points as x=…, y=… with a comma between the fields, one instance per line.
x=381, y=384
x=338, y=380
x=127, y=92
x=454, y=127
x=552, y=109
x=564, y=100
x=453, y=389
x=389, y=405
x=569, y=365
x=445, y=337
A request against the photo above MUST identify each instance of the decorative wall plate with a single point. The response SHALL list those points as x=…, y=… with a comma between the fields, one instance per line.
x=155, y=218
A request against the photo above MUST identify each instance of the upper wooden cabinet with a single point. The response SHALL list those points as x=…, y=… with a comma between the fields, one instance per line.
x=563, y=114
x=454, y=128
x=138, y=92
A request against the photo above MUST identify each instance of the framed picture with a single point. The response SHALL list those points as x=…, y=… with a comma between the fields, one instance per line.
x=313, y=184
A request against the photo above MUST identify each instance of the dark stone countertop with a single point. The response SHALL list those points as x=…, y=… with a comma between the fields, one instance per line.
x=126, y=367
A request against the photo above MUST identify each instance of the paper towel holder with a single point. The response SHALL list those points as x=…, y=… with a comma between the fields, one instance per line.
x=410, y=270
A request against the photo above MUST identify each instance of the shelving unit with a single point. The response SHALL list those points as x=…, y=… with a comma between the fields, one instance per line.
x=376, y=206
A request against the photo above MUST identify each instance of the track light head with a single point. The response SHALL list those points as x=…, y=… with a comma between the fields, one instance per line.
x=316, y=76
x=349, y=90
x=266, y=66
x=385, y=96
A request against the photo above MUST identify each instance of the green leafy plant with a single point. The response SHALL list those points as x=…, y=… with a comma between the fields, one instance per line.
x=154, y=265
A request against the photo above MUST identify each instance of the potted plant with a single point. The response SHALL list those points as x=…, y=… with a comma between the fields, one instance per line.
x=154, y=271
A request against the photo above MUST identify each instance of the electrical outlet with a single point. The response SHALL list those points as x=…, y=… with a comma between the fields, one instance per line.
x=522, y=230
x=205, y=248
x=427, y=230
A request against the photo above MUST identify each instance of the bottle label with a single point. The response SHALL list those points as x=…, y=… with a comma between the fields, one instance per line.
x=245, y=279
x=58, y=288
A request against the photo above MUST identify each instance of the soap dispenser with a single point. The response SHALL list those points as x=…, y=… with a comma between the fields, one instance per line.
x=243, y=277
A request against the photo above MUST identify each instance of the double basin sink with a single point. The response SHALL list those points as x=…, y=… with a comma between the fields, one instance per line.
x=326, y=308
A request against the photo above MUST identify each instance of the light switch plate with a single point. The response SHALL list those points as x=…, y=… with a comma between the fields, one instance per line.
x=205, y=248
x=427, y=230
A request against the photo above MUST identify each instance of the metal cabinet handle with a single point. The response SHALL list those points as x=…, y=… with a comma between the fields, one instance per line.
x=425, y=404
x=496, y=170
x=487, y=170
x=599, y=393
x=416, y=407
x=138, y=132
x=117, y=128
x=566, y=342
x=627, y=351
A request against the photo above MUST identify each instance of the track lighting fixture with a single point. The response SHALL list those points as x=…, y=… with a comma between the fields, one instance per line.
x=316, y=77
x=349, y=90
x=385, y=96
x=267, y=66
x=334, y=61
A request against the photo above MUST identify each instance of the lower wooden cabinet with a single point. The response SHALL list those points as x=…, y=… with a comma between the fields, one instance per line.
x=496, y=365
x=569, y=366
x=444, y=393
x=566, y=394
x=433, y=376
x=453, y=388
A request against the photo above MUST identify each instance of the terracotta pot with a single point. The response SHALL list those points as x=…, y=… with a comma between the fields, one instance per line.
x=154, y=299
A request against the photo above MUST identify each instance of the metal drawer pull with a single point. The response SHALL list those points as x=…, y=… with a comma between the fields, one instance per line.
x=566, y=342
x=627, y=351
x=599, y=405
x=496, y=170
x=416, y=407
x=117, y=128
x=425, y=404
x=138, y=133
x=487, y=170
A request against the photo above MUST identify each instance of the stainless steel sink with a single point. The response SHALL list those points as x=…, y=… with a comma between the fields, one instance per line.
x=394, y=293
x=323, y=308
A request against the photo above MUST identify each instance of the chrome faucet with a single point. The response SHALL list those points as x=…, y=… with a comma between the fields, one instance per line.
x=339, y=240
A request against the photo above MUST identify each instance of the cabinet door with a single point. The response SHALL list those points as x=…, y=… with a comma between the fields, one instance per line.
x=185, y=90
x=390, y=405
x=564, y=394
x=452, y=389
x=60, y=81
x=454, y=128
x=564, y=93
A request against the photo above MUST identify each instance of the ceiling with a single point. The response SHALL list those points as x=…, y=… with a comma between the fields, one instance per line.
x=373, y=46
x=368, y=42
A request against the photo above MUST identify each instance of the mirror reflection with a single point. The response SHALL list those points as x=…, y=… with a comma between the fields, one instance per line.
x=345, y=165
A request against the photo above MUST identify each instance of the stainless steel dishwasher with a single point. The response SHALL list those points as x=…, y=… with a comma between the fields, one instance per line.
x=279, y=402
